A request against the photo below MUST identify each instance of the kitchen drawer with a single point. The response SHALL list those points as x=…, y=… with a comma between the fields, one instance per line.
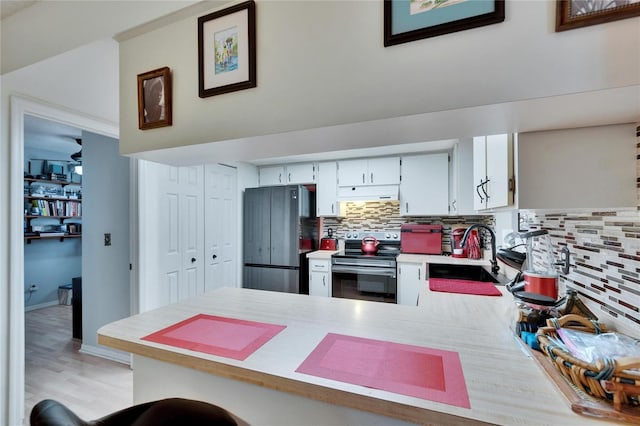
x=319, y=265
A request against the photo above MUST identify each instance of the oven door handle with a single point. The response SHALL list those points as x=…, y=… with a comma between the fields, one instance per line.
x=387, y=272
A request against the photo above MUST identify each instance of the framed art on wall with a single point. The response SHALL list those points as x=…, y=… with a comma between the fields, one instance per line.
x=227, y=50
x=572, y=14
x=410, y=20
x=154, y=99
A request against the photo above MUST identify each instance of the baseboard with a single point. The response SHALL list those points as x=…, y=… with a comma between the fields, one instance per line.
x=40, y=306
x=110, y=354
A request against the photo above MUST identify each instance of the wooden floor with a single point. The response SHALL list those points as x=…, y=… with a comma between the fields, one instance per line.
x=90, y=386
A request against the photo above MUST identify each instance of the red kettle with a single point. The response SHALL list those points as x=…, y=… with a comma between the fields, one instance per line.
x=370, y=245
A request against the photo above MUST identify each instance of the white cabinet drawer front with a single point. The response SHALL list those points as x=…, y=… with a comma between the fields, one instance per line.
x=319, y=265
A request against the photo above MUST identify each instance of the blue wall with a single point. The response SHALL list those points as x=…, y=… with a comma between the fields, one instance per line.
x=49, y=264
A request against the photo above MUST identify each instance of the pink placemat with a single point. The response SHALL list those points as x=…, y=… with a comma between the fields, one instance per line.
x=447, y=285
x=426, y=373
x=227, y=337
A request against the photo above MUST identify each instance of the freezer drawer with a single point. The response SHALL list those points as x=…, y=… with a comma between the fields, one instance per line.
x=272, y=279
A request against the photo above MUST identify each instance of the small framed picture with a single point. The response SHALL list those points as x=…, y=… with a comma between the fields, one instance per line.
x=572, y=14
x=227, y=50
x=154, y=99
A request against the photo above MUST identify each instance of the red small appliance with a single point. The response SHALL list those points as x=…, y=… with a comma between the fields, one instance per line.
x=421, y=239
x=456, y=239
x=329, y=243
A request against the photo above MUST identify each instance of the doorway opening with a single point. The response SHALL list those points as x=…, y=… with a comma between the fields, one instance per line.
x=22, y=108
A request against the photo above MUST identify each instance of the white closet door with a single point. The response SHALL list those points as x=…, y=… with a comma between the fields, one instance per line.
x=192, y=231
x=221, y=223
x=180, y=234
x=169, y=236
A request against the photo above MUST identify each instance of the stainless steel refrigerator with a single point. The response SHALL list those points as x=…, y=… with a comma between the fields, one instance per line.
x=279, y=227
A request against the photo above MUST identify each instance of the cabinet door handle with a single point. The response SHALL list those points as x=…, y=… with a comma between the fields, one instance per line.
x=331, y=207
x=279, y=177
x=289, y=176
x=453, y=204
x=478, y=191
x=371, y=177
x=483, y=188
x=363, y=177
x=324, y=280
x=215, y=256
x=193, y=260
x=406, y=207
x=418, y=274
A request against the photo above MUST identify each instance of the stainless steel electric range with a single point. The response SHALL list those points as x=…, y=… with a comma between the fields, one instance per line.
x=366, y=276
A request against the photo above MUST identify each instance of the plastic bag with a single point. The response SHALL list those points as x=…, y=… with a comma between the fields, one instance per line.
x=590, y=347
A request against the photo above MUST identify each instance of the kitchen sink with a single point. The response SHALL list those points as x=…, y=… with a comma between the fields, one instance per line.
x=461, y=272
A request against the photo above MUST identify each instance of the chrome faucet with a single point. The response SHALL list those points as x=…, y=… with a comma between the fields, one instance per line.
x=494, y=263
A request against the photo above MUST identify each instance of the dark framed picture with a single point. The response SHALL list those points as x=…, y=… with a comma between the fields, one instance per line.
x=154, y=99
x=227, y=50
x=572, y=14
x=410, y=20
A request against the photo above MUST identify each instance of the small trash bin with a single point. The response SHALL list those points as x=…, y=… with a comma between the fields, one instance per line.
x=65, y=293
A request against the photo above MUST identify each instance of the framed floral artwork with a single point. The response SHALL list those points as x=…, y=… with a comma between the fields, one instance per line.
x=227, y=50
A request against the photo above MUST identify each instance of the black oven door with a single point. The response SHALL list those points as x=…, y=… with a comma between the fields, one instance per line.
x=364, y=283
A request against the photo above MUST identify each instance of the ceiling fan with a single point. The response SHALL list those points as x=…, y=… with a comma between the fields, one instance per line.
x=77, y=156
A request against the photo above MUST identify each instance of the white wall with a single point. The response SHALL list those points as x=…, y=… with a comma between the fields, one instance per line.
x=105, y=269
x=49, y=28
x=322, y=63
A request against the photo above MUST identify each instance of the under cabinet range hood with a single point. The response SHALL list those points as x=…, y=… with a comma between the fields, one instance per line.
x=368, y=193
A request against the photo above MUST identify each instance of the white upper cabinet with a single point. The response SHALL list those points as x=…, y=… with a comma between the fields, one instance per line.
x=300, y=173
x=461, y=179
x=272, y=175
x=372, y=171
x=290, y=174
x=493, y=178
x=424, y=189
x=326, y=189
x=590, y=167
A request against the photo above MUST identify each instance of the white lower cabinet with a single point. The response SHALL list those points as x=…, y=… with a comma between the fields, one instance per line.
x=320, y=277
x=410, y=278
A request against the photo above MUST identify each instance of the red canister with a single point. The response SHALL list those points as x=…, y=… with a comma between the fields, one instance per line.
x=544, y=284
x=456, y=247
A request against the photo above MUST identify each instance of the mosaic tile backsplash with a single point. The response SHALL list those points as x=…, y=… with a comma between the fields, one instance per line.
x=605, y=260
x=385, y=215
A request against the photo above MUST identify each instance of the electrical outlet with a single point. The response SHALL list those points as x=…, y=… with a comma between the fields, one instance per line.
x=33, y=287
x=107, y=239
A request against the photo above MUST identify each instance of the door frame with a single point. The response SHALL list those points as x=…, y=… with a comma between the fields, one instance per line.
x=19, y=107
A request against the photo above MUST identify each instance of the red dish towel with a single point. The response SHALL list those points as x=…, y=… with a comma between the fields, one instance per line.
x=417, y=371
x=447, y=285
x=221, y=336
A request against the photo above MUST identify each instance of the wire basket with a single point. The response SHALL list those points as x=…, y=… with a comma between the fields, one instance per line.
x=610, y=379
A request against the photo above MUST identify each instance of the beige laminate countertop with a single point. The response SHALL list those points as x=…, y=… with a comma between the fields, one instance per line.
x=321, y=254
x=504, y=385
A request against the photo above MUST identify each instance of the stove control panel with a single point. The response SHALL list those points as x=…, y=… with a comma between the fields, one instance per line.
x=381, y=236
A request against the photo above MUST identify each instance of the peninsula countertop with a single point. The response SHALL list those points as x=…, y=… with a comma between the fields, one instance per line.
x=505, y=386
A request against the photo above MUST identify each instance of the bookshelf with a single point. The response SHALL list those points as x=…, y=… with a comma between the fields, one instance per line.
x=52, y=211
